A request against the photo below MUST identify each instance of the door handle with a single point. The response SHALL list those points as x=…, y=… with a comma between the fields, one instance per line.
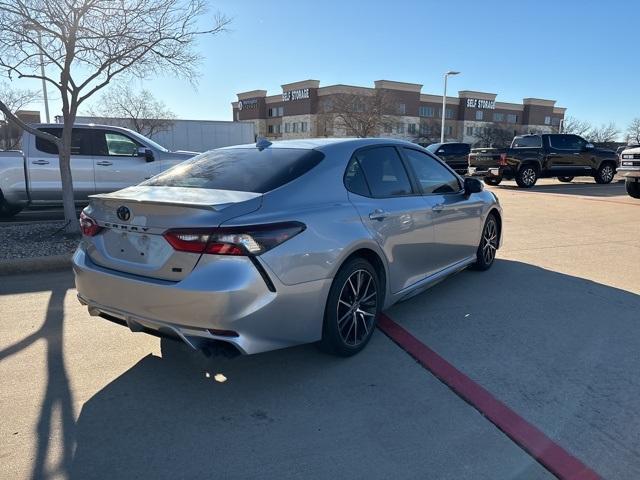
x=438, y=208
x=104, y=163
x=40, y=162
x=378, y=214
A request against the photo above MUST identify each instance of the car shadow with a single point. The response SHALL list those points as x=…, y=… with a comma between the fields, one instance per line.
x=581, y=186
x=184, y=417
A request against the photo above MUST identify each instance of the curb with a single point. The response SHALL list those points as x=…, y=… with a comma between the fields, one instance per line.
x=16, y=266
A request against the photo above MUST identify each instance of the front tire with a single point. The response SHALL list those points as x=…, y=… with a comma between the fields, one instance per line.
x=565, y=179
x=486, y=253
x=605, y=173
x=633, y=187
x=527, y=176
x=350, y=316
x=493, y=181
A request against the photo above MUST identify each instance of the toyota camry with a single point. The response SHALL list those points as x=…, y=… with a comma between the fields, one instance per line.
x=269, y=245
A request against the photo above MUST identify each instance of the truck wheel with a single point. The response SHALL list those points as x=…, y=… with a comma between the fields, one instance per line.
x=527, y=176
x=605, y=173
x=633, y=187
x=565, y=179
x=493, y=181
x=8, y=211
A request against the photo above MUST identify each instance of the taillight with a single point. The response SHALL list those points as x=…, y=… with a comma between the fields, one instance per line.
x=249, y=240
x=88, y=225
x=503, y=159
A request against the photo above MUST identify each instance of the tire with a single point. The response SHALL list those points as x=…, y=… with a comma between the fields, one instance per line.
x=8, y=211
x=527, y=176
x=605, y=173
x=493, y=181
x=348, y=320
x=633, y=187
x=565, y=179
x=486, y=253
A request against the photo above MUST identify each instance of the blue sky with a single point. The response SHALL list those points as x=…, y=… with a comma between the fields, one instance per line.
x=584, y=54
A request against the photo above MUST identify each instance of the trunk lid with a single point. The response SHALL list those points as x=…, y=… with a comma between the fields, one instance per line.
x=134, y=219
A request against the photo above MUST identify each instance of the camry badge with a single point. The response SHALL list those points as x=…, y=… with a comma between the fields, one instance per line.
x=123, y=213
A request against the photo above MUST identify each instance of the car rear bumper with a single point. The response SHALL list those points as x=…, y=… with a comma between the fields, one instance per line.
x=225, y=294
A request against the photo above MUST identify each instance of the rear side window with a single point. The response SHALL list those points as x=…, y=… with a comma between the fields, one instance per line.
x=528, y=141
x=240, y=169
x=80, y=141
x=384, y=172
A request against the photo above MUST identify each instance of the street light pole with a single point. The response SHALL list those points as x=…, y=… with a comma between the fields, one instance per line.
x=444, y=103
x=44, y=83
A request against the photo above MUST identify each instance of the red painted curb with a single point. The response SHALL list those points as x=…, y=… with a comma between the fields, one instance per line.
x=551, y=455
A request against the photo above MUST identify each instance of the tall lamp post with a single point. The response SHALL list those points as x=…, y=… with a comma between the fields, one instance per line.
x=36, y=28
x=444, y=103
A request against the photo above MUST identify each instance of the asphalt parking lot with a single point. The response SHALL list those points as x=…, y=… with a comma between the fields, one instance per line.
x=551, y=330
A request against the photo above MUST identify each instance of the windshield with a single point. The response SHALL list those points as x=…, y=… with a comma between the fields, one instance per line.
x=433, y=147
x=240, y=169
x=147, y=141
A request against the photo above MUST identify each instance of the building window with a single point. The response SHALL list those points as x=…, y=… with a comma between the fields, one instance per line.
x=402, y=108
x=448, y=130
x=387, y=128
x=287, y=127
x=426, y=129
x=479, y=114
x=555, y=121
x=400, y=127
x=303, y=126
x=470, y=131
x=426, y=111
x=270, y=128
x=498, y=117
x=270, y=112
x=547, y=120
x=295, y=127
x=448, y=113
x=412, y=128
x=512, y=118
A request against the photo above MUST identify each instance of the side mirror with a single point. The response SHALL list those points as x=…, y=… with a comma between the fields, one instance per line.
x=589, y=146
x=472, y=185
x=146, y=153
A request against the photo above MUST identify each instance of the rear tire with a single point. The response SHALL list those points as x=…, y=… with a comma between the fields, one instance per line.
x=605, y=173
x=527, y=176
x=350, y=316
x=565, y=179
x=486, y=253
x=493, y=181
x=8, y=211
x=633, y=187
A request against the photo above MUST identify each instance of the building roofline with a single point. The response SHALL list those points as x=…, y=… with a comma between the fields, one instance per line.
x=403, y=86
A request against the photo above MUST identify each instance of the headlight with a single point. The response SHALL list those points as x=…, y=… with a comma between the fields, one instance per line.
x=628, y=164
x=628, y=155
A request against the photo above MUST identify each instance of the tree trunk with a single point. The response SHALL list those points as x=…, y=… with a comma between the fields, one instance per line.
x=68, y=200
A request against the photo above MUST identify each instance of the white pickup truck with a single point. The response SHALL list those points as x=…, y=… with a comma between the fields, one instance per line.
x=103, y=159
x=630, y=169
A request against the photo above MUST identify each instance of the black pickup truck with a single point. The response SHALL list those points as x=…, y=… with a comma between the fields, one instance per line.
x=530, y=157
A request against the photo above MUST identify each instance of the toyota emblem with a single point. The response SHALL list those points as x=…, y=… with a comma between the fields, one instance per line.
x=123, y=213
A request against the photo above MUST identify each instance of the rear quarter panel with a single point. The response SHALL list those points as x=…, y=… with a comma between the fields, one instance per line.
x=13, y=183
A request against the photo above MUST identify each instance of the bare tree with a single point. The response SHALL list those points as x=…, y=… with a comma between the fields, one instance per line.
x=360, y=115
x=606, y=133
x=15, y=99
x=142, y=111
x=633, y=132
x=86, y=44
x=575, y=126
x=428, y=132
x=497, y=137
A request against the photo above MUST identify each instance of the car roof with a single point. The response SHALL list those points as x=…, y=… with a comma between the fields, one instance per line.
x=319, y=143
x=79, y=125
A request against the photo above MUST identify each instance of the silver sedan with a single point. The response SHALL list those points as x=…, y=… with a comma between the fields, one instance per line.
x=265, y=246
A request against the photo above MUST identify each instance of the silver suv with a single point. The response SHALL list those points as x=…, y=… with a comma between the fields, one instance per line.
x=271, y=245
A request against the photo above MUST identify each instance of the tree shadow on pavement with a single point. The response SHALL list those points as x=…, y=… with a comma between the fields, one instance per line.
x=58, y=395
x=581, y=186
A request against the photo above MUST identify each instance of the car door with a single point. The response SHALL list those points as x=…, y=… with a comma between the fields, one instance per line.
x=393, y=211
x=43, y=165
x=566, y=155
x=118, y=162
x=457, y=217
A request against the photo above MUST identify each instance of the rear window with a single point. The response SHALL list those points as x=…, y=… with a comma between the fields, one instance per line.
x=240, y=169
x=528, y=141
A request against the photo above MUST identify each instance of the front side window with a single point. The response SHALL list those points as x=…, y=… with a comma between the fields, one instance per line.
x=567, y=142
x=240, y=169
x=115, y=144
x=432, y=176
x=384, y=172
